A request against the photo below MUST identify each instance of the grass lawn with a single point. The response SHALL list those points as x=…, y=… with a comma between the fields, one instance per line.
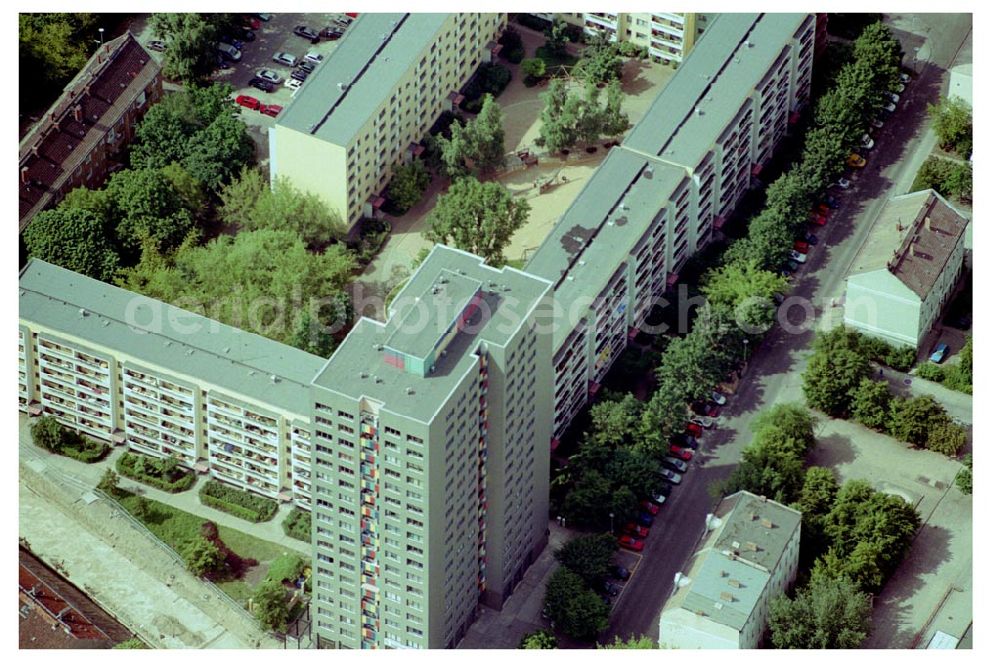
x=554, y=60
x=174, y=527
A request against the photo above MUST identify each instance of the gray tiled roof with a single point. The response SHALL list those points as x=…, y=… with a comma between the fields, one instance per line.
x=179, y=341
x=723, y=589
x=746, y=515
x=358, y=367
x=370, y=60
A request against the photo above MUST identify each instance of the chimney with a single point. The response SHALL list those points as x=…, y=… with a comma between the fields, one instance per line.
x=734, y=583
x=727, y=596
x=78, y=113
x=24, y=176
x=751, y=546
x=766, y=523
x=927, y=223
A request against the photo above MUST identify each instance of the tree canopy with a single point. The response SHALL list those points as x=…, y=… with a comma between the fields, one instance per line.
x=952, y=120
x=588, y=556
x=269, y=605
x=633, y=643
x=542, y=639
x=477, y=217
x=575, y=609
x=826, y=614
x=75, y=239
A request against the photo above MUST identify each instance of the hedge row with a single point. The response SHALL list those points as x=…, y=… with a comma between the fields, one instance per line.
x=298, y=525
x=239, y=503
x=128, y=462
x=90, y=452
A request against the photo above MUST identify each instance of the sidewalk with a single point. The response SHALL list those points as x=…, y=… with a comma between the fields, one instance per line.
x=90, y=475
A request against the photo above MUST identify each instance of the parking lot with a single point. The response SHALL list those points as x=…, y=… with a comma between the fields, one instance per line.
x=274, y=36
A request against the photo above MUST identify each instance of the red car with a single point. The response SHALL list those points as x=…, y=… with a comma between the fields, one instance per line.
x=694, y=429
x=636, y=530
x=823, y=209
x=252, y=22
x=631, y=543
x=678, y=452
x=817, y=219
x=649, y=507
x=801, y=246
x=248, y=101
x=271, y=109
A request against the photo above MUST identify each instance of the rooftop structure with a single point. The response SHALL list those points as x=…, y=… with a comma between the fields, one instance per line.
x=117, y=83
x=722, y=589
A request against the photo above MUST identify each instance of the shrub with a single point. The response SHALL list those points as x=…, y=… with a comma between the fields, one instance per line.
x=53, y=436
x=202, y=556
x=931, y=371
x=108, y=483
x=407, y=185
x=298, y=525
x=946, y=438
x=489, y=78
x=901, y=358
x=130, y=644
x=87, y=451
x=629, y=50
x=47, y=433
x=269, y=605
x=515, y=55
x=237, y=502
x=963, y=480
x=533, y=68
x=513, y=46
x=372, y=237
x=138, y=467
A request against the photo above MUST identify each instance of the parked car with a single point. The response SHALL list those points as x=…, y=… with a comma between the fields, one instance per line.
x=657, y=497
x=694, y=429
x=299, y=75
x=232, y=41
x=678, y=465
x=867, y=142
x=801, y=247
x=702, y=408
x=791, y=265
x=252, y=21
x=878, y=124
x=892, y=97
x=331, y=32
x=271, y=109
x=269, y=75
x=855, y=161
x=798, y=256
x=649, y=507
x=672, y=477
x=644, y=519
x=611, y=589
x=904, y=77
x=718, y=398
x=940, y=352
x=817, y=219
x=265, y=17
x=228, y=51
x=822, y=209
x=842, y=183
x=292, y=83
x=703, y=421
x=619, y=572
x=261, y=84
x=306, y=32
x=678, y=452
x=248, y=101
x=631, y=543
x=890, y=107
x=307, y=66
x=812, y=239
x=897, y=88
x=285, y=58
x=156, y=45
x=831, y=201
x=635, y=530
x=314, y=57
x=685, y=440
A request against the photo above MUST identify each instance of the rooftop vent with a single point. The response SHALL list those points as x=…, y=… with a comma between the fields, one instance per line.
x=378, y=380
x=189, y=352
x=748, y=44
x=727, y=596
x=363, y=375
x=734, y=583
x=766, y=523
x=105, y=322
x=166, y=343
x=409, y=391
x=83, y=312
x=718, y=606
x=274, y=379
x=225, y=350
x=680, y=580
x=736, y=545
x=698, y=110
x=648, y=172
x=751, y=546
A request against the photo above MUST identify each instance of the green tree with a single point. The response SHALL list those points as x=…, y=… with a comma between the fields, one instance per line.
x=239, y=197
x=218, y=152
x=963, y=480
x=913, y=419
x=486, y=135
x=665, y=415
x=870, y=403
x=587, y=502
x=146, y=207
x=285, y=208
x=576, y=610
x=827, y=614
x=823, y=154
x=541, y=639
x=770, y=466
x=188, y=189
x=615, y=120
x=408, y=184
x=830, y=377
x=879, y=51
x=588, y=556
x=790, y=196
x=74, y=239
x=477, y=217
x=850, y=105
x=952, y=121
x=633, y=643
x=793, y=421
x=533, y=68
x=771, y=237
x=600, y=62
x=680, y=355
x=190, y=39
x=108, y=483
x=269, y=605
x=142, y=510
x=590, y=118
x=556, y=37
x=52, y=47
x=201, y=556
x=47, y=433
x=558, y=130
x=819, y=491
x=613, y=422
x=745, y=290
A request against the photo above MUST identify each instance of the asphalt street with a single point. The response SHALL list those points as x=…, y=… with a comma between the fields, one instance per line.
x=930, y=44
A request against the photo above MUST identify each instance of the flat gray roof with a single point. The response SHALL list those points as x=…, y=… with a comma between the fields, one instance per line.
x=605, y=221
x=711, y=85
x=167, y=337
x=746, y=516
x=370, y=61
x=415, y=333
x=723, y=589
x=358, y=367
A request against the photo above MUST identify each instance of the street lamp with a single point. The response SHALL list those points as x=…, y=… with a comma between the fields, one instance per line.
x=745, y=343
x=612, y=516
x=101, y=30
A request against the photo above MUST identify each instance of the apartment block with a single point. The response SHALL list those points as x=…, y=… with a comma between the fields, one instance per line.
x=162, y=381
x=373, y=99
x=908, y=268
x=431, y=458
x=77, y=139
x=657, y=198
x=748, y=555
